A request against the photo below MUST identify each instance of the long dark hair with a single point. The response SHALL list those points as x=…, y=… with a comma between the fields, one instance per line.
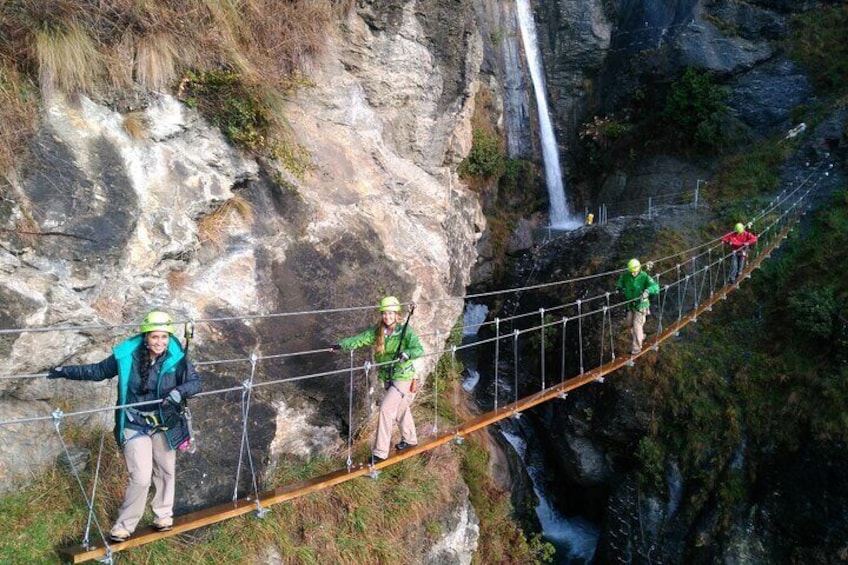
x=144, y=365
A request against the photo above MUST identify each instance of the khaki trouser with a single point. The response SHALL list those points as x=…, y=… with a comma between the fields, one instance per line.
x=395, y=407
x=636, y=321
x=148, y=458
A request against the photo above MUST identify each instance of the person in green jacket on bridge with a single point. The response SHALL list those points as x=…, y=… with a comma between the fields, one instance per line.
x=637, y=286
x=395, y=346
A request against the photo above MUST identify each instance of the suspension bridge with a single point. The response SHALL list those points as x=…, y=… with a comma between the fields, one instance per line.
x=691, y=283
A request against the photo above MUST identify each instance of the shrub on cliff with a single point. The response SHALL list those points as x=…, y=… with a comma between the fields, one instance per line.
x=695, y=108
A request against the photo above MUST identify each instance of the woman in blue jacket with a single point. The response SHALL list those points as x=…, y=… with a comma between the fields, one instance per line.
x=152, y=369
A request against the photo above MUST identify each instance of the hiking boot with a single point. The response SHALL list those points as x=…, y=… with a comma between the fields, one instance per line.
x=404, y=445
x=163, y=525
x=118, y=535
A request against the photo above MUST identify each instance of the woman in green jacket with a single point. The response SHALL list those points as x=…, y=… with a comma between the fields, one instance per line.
x=636, y=285
x=395, y=346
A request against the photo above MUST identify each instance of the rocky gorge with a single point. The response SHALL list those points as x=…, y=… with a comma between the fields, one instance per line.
x=100, y=225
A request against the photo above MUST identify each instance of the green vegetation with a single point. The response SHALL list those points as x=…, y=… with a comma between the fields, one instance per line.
x=248, y=114
x=769, y=365
x=600, y=137
x=694, y=110
x=818, y=42
x=486, y=158
x=749, y=174
x=501, y=540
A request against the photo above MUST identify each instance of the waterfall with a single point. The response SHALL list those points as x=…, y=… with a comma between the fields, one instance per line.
x=573, y=537
x=473, y=317
x=559, y=214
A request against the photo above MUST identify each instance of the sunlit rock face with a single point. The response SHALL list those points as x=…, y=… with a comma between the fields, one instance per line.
x=126, y=225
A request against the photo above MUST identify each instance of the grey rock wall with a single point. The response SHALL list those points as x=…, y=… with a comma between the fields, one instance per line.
x=381, y=211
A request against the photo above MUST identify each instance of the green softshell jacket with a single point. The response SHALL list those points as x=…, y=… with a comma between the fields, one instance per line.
x=403, y=370
x=633, y=287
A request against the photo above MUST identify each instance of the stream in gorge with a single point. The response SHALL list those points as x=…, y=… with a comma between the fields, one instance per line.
x=574, y=537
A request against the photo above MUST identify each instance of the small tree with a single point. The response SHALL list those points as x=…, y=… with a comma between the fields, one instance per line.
x=694, y=108
x=486, y=158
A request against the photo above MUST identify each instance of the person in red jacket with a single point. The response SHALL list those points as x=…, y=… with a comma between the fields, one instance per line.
x=739, y=240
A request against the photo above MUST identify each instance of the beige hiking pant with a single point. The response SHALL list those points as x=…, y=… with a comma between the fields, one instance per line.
x=149, y=459
x=636, y=321
x=395, y=407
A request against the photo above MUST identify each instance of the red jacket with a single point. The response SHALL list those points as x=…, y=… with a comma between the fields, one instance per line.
x=739, y=240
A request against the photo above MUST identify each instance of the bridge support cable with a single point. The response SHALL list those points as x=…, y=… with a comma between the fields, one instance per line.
x=497, y=356
x=542, y=330
x=605, y=315
x=89, y=502
x=661, y=303
x=435, y=429
x=515, y=335
x=611, y=333
x=86, y=541
x=580, y=335
x=366, y=369
x=349, y=461
x=247, y=393
x=562, y=350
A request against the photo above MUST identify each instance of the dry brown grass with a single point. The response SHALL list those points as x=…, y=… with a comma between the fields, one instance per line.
x=212, y=227
x=135, y=124
x=68, y=59
x=71, y=41
x=157, y=59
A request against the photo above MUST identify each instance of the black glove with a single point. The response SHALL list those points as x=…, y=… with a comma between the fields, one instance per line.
x=56, y=373
x=335, y=347
x=174, y=397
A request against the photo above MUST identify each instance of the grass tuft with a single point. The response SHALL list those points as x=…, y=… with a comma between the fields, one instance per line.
x=68, y=59
x=212, y=227
x=157, y=58
x=135, y=124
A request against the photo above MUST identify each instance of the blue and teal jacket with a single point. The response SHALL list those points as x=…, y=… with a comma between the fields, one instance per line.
x=403, y=370
x=171, y=371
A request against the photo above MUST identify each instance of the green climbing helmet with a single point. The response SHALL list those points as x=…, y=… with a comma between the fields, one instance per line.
x=390, y=304
x=739, y=227
x=157, y=321
x=634, y=265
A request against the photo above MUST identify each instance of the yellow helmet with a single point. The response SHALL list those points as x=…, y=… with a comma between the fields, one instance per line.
x=390, y=304
x=157, y=321
x=739, y=227
x=634, y=265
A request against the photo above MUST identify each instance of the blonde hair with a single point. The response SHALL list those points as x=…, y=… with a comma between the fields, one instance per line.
x=380, y=335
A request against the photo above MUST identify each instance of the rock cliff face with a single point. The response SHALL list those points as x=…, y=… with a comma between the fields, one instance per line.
x=131, y=223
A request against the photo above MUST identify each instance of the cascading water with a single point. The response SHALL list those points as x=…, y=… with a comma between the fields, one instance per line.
x=559, y=215
x=473, y=316
x=573, y=537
